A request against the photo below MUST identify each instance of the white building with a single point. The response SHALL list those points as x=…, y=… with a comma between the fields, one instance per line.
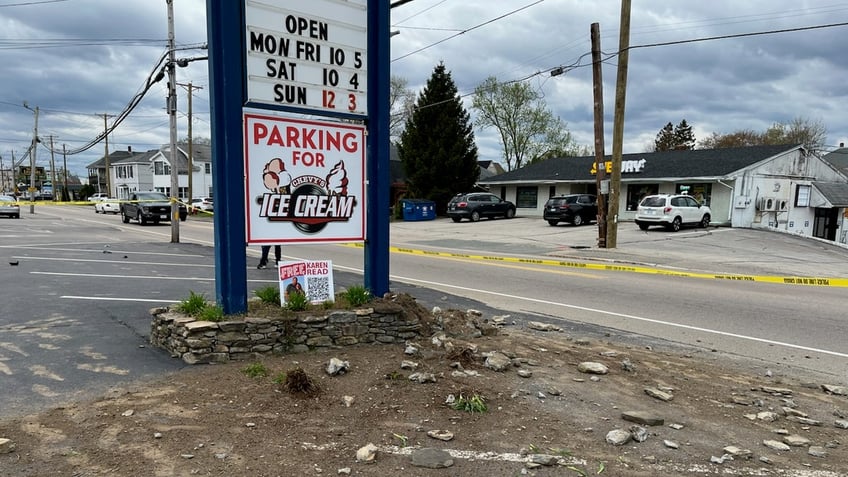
x=775, y=187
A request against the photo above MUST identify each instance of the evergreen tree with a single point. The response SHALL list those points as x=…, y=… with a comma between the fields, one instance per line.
x=665, y=139
x=437, y=145
x=684, y=138
x=672, y=138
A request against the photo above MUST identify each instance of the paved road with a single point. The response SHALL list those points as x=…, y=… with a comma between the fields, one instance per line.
x=74, y=314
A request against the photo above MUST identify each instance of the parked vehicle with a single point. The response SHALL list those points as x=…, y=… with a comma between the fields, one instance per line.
x=672, y=211
x=149, y=207
x=201, y=204
x=9, y=206
x=97, y=196
x=474, y=205
x=577, y=209
x=109, y=204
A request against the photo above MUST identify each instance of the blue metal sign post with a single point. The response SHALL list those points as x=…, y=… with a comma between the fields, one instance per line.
x=377, y=236
x=228, y=85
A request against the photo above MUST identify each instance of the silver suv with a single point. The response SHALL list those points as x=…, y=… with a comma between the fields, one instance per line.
x=672, y=211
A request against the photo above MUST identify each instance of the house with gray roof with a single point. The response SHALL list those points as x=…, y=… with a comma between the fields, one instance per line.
x=776, y=187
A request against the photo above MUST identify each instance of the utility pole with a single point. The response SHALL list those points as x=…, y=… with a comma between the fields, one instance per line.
x=618, y=122
x=31, y=188
x=172, y=113
x=65, y=195
x=106, y=152
x=190, y=87
x=52, y=169
x=600, y=167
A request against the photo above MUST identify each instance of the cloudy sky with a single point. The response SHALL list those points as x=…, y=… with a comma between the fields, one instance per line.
x=77, y=60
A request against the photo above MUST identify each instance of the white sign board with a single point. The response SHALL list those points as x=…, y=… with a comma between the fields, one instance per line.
x=304, y=180
x=313, y=279
x=308, y=54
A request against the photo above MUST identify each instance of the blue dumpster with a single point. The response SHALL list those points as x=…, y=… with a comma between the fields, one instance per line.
x=418, y=209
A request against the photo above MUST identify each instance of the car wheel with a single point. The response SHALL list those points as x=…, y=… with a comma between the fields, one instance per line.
x=475, y=216
x=456, y=219
x=674, y=226
x=510, y=213
x=140, y=219
x=553, y=222
x=124, y=218
x=705, y=221
x=643, y=226
x=17, y=216
x=577, y=220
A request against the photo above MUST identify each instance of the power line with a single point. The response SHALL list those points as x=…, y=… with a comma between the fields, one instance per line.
x=469, y=29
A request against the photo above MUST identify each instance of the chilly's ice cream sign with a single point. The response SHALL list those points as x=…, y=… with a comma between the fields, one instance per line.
x=305, y=180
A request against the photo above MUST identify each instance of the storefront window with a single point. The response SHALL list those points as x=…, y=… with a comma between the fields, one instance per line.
x=636, y=192
x=700, y=191
x=526, y=197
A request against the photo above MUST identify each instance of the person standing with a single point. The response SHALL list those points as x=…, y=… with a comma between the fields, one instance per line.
x=266, y=249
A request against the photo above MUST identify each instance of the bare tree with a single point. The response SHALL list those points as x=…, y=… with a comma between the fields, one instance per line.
x=401, y=102
x=811, y=134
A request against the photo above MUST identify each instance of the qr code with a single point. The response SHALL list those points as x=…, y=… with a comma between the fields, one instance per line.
x=319, y=289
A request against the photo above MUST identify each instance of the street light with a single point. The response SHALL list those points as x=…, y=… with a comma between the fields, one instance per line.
x=31, y=188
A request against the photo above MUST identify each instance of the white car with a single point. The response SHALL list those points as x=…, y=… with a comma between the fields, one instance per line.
x=107, y=204
x=97, y=196
x=672, y=211
x=201, y=204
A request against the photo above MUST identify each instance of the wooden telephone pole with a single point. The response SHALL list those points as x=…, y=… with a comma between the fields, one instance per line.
x=600, y=165
x=189, y=87
x=618, y=123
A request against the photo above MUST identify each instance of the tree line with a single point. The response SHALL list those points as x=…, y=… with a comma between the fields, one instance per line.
x=434, y=136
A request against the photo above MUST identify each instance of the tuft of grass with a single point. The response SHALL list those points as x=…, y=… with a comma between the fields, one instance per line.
x=269, y=294
x=297, y=302
x=193, y=305
x=403, y=439
x=255, y=370
x=471, y=404
x=280, y=378
x=328, y=305
x=357, y=295
x=211, y=313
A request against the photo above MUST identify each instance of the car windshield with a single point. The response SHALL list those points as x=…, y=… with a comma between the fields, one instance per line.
x=653, y=202
x=151, y=196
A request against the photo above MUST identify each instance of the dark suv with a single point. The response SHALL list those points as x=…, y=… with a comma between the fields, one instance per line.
x=474, y=205
x=577, y=209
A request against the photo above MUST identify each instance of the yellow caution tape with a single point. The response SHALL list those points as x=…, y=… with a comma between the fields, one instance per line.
x=803, y=281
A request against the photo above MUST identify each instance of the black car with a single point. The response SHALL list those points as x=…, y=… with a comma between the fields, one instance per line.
x=577, y=209
x=474, y=205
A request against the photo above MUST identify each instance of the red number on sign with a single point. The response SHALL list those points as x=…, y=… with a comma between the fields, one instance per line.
x=351, y=102
x=329, y=99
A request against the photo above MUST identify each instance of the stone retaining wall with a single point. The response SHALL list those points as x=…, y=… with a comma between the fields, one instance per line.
x=206, y=342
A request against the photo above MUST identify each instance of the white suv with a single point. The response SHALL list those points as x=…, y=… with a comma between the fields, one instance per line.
x=98, y=196
x=672, y=211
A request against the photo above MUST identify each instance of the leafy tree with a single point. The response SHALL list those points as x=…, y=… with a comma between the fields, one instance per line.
x=672, y=138
x=812, y=134
x=529, y=132
x=401, y=102
x=437, y=145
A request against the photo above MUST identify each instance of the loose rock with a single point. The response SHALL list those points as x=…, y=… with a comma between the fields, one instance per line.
x=767, y=416
x=838, y=390
x=431, y=458
x=817, y=451
x=738, y=452
x=544, y=459
x=642, y=417
x=671, y=444
x=497, y=361
x=590, y=367
x=367, y=453
x=639, y=433
x=539, y=326
x=422, y=378
x=657, y=394
x=524, y=373
x=411, y=365
x=796, y=441
x=618, y=437
x=337, y=367
x=6, y=445
x=776, y=445
x=348, y=400
x=441, y=435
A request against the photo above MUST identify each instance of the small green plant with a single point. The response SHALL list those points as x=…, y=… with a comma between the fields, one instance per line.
x=280, y=378
x=269, y=294
x=297, y=302
x=211, y=313
x=472, y=404
x=193, y=305
x=328, y=305
x=255, y=370
x=357, y=295
x=393, y=376
x=578, y=470
x=533, y=449
x=403, y=439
